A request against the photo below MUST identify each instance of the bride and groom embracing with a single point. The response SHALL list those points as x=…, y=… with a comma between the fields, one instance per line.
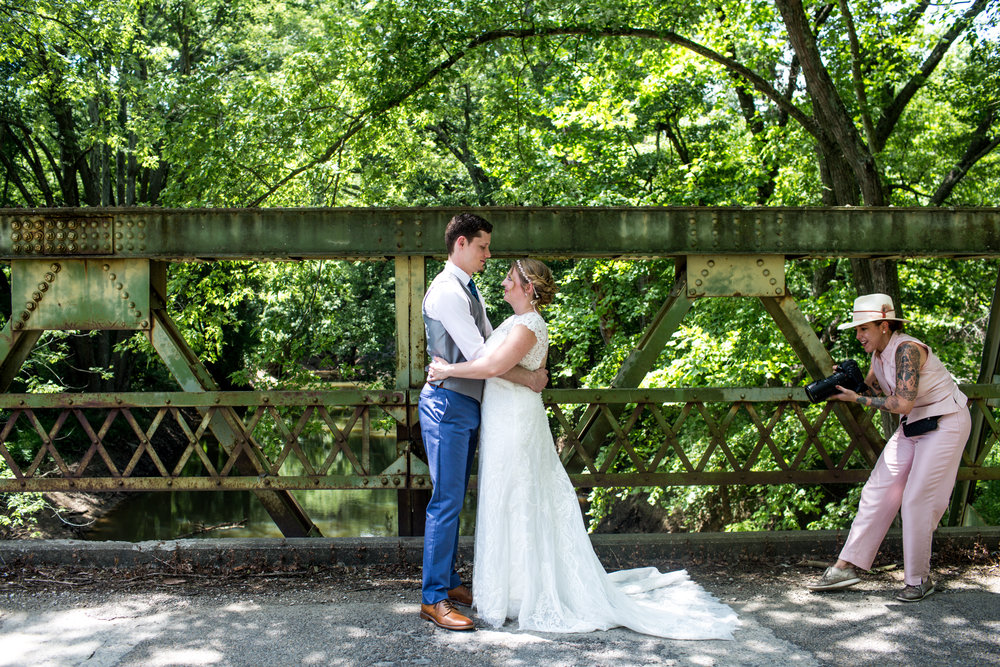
x=533, y=558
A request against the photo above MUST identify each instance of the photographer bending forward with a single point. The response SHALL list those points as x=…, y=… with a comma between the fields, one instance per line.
x=916, y=471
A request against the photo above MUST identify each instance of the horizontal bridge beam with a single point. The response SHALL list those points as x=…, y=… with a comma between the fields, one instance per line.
x=374, y=233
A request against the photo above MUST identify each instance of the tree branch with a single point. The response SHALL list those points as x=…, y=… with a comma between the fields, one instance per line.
x=377, y=109
x=894, y=110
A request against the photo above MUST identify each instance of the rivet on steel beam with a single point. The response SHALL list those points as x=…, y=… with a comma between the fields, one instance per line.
x=167, y=401
x=144, y=324
x=266, y=399
x=55, y=267
x=30, y=305
x=18, y=325
x=118, y=401
x=49, y=277
x=15, y=237
x=704, y=272
x=385, y=481
x=43, y=287
x=365, y=481
x=25, y=315
x=760, y=262
x=395, y=480
x=36, y=296
x=125, y=295
x=15, y=225
x=118, y=286
x=17, y=248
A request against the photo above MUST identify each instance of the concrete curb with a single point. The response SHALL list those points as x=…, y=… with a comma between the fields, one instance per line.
x=614, y=550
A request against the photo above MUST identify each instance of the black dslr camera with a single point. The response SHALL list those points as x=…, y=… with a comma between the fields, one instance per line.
x=847, y=375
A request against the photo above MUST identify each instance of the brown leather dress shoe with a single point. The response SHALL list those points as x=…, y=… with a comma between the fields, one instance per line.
x=461, y=595
x=444, y=615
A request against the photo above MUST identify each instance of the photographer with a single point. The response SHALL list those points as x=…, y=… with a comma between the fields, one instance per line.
x=916, y=471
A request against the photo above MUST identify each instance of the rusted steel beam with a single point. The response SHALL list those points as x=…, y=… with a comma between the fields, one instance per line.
x=375, y=233
x=205, y=399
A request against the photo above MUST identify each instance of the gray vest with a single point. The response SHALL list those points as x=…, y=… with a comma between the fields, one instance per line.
x=441, y=344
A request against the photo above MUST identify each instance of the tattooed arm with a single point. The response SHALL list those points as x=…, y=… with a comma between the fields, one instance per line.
x=909, y=358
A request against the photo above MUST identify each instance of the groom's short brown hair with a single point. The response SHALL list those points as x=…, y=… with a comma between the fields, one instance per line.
x=468, y=225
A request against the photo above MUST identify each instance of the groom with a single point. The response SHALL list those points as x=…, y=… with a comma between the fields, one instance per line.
x=456, y=326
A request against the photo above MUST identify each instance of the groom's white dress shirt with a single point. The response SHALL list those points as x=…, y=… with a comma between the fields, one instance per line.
x=447, y=301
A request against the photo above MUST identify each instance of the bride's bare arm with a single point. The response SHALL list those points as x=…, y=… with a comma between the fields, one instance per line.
x=498, y=362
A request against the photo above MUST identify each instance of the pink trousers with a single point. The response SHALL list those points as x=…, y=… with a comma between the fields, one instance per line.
x=913, y=476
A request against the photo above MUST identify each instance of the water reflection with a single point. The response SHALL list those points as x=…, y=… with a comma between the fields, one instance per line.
x=340, y=513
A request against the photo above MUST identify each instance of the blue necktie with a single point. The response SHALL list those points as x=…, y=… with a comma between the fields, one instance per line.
x=472, y=288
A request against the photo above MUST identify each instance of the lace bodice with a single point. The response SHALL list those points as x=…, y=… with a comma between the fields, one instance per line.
x=536, y=355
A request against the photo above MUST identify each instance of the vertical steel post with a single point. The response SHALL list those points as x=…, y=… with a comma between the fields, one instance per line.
x=411, y=283
x=989, y=373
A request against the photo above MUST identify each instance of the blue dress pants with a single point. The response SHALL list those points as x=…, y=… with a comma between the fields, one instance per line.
x=449, y=423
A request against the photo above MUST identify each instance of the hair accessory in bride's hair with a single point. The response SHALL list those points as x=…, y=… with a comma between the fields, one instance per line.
x=520, y=269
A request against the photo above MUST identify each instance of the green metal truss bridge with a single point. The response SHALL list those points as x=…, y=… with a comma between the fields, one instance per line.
x=87, y=269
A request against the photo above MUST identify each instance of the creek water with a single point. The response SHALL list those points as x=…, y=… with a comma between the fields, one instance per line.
x=337, y=513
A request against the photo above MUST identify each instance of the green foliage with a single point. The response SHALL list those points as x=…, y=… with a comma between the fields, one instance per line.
x=391, y=103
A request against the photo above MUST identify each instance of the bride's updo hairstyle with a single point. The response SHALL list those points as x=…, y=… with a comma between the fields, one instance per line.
x=534, y=272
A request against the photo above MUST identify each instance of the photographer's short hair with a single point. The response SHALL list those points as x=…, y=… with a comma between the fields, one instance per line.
x=468, y=225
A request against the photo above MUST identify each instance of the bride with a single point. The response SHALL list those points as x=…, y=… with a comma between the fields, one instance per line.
x=533, y=558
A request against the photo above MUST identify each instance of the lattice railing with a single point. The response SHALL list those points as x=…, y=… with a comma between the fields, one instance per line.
x=324, y=440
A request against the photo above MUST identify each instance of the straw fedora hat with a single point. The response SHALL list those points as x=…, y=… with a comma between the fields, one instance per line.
x=872, y=308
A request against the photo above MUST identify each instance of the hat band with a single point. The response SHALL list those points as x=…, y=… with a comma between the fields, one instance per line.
x=883, y=313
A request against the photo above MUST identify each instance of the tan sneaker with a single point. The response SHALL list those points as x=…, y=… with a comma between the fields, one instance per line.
x=916, y=593
x=834, y=579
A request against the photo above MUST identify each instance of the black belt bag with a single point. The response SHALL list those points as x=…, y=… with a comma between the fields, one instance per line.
x=919, y=427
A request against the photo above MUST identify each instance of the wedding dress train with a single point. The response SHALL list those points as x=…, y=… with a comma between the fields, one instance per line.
x=534, y=562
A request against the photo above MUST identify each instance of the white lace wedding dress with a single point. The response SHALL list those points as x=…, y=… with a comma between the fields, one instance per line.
x=533, y=558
